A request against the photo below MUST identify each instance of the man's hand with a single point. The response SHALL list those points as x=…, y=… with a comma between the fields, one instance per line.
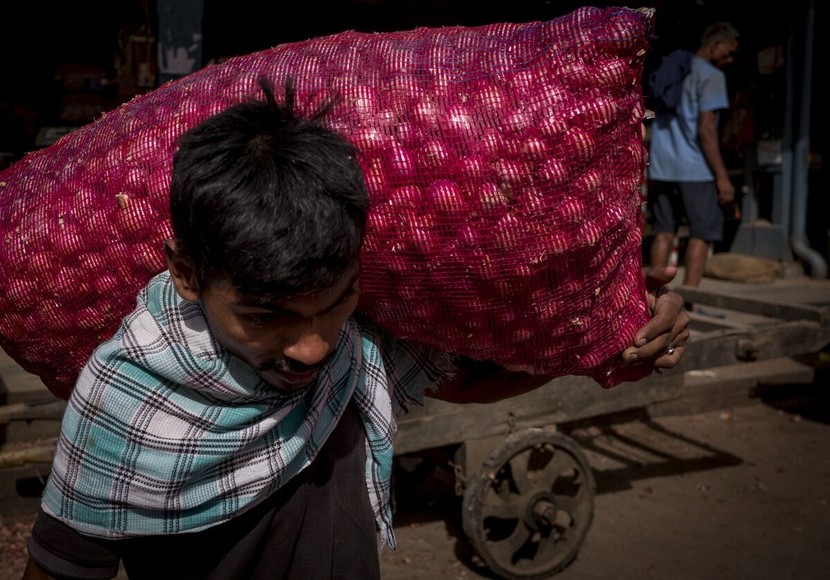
x=726, y=190
x=663, y=339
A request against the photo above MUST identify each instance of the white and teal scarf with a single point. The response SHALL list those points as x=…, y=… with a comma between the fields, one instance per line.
x=167, y=432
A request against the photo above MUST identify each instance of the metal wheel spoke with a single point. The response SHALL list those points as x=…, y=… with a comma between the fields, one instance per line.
x=568, y=504
x=576, y=505
x=518, y=470
x=561, y=463
x=506, y=548
x=499, y=507
x=552, y=547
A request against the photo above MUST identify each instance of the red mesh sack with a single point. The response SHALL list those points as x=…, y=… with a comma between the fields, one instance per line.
x=503, y=164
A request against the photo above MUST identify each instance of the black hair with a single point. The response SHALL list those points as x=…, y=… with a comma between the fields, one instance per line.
x=273, y=202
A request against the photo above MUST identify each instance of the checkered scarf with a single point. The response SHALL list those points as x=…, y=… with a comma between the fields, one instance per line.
x=167, y=432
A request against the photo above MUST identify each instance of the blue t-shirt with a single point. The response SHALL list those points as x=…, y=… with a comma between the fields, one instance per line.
x=674, y=149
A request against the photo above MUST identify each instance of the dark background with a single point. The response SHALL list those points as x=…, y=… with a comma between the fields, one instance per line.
x=36, y=40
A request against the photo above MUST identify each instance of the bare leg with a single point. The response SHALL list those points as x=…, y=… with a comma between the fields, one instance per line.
x=695, y=261
x=661, y=247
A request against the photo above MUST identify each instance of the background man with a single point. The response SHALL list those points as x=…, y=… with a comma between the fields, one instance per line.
x=687, y=175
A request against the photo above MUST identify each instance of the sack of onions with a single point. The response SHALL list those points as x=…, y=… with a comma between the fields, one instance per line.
x=503, y=164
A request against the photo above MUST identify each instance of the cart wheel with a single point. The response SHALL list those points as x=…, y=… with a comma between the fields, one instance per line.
x=528, y=510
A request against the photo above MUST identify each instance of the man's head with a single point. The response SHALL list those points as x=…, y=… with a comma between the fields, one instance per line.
x=268, y=212
x=719, y=43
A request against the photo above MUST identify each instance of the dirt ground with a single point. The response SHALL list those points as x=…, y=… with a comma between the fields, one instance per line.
x=733, y=493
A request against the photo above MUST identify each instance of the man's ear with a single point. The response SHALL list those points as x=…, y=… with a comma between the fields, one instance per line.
x=182, y=271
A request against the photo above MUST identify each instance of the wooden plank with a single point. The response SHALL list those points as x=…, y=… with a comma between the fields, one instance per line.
x=766, y=307
x=30, y=411
x=727, y=347
x=18, y=385
x=563, y=399
x=723, y=387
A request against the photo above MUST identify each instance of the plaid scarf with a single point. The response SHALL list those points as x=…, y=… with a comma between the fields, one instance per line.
x=167, y=432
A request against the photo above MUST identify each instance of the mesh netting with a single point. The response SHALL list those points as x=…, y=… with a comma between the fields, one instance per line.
x=503, y=164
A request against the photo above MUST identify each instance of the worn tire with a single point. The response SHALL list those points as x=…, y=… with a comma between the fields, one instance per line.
x=529, y=508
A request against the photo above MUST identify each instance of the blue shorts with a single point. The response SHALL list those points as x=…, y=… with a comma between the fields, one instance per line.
x=670, y=201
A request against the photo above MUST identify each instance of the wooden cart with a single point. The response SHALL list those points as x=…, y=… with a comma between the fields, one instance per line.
x=528, y=489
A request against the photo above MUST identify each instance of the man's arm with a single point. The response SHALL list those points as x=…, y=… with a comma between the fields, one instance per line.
x=662, y=341
x=707, y=131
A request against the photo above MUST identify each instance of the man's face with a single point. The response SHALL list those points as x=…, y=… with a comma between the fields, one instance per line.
x=723, y=52
x=287, y=341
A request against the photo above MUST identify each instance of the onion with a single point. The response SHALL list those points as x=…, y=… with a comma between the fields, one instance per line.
x=377, y=182
x=511, y=172
x=508, y=235
x=149, y=257
x=594, y=113
x=407, y=199
x=576, y=74
x=143, y=146
x=491, y=196
x=491, y=100
x=401, y=165
x=590, y=233
x=408, y=134
x=612, y=72
x=570, y=209
x=534, y=148
x=622, y=34
x=435, y=155
x=518, y=122
x=119, y=256
x=371, y=140
x=138, y=219
x=423, y=241
x=483, y=266
x=101, y=226
x=457, y=123
x=22, y=292
x=472, y=168
x=557, y=242
x=469, y=237
x=526, y=84
x=589, y=182
x=424, y=220
x=68, y=243
x=426, y=113
x=551, y=125
x=90, y=318
x=491, y=144
x=105, y=284
x=65, y=283
x=41, y=264
x=534, y=203
x=446, y=196
x=555, y=171
x=581, y=143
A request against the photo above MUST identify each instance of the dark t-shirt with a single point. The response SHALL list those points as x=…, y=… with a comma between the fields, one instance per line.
x=319, y=525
